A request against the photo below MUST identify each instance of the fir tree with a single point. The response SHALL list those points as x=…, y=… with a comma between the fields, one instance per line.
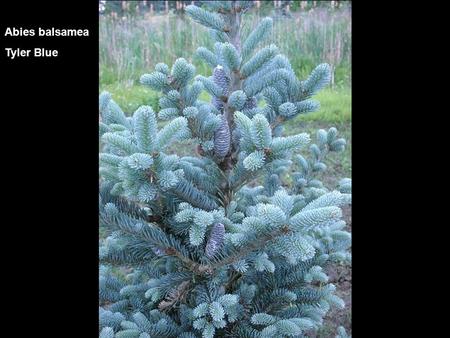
x=207, y=254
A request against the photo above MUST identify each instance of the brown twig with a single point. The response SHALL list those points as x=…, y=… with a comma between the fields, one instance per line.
x=175, y=296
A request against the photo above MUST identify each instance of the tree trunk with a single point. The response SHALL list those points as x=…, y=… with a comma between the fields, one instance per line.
x=235, y=40
x=234, y=21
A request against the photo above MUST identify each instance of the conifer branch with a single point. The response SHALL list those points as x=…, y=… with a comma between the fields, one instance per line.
x=208, y=269
x=255, y=245
x=202, y=242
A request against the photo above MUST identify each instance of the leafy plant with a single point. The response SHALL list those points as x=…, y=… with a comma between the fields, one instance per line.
x=209, y=252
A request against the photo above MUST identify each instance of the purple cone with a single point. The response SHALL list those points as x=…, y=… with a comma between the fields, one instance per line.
x=222, y=139
x=215, y=240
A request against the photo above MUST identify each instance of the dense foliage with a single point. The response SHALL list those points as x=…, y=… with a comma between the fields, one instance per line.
x=231, y=241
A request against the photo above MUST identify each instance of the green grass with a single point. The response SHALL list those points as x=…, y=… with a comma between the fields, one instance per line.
x=132, y=46
x=130, y=97
x=335, y=105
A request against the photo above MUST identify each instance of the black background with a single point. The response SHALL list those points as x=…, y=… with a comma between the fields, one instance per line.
x=49, y=138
